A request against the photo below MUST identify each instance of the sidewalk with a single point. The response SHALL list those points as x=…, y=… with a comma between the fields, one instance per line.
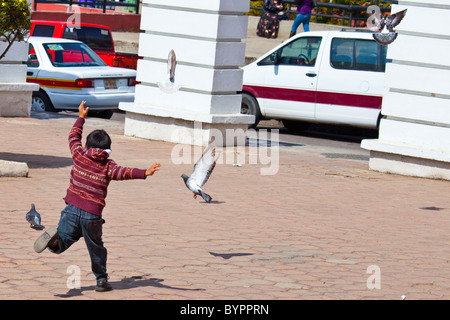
x=255, y=46
x=312, y=231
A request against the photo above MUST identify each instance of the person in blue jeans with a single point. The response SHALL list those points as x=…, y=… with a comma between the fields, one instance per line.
x=303, y=16
x=76, y=223
x=85, y=199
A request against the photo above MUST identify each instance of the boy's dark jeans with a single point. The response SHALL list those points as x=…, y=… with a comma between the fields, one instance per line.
x=75, y=223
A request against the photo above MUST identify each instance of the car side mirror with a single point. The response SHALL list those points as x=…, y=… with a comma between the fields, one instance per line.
x=275, y=57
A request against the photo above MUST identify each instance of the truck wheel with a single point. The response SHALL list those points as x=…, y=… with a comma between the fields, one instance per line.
x=40, y=102
x=250, y=106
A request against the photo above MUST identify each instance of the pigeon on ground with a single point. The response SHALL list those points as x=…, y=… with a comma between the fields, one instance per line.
x=385, y=37
x=202, y=170
x=169, y=85
x=34, y=218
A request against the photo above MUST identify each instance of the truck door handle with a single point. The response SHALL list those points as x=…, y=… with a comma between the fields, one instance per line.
x=29, y=73
x=311, y=74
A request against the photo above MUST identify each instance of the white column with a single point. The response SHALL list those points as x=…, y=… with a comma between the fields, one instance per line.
x=414, y=137
x=15, y=92
x=202, y=101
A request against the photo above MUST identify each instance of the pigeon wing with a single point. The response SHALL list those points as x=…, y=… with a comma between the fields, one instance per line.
x=34, y=218
x=394, y=20
x=380, y=23
x=31, y=214
x=204, y=166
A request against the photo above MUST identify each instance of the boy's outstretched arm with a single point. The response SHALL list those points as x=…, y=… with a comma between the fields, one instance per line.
x=155, y=167
x=117, y=172
x=77, y=130
x=82, y=111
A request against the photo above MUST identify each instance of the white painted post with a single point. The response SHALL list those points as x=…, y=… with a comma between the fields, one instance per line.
x=15, y=92
x=206, y=37
x=414, y=137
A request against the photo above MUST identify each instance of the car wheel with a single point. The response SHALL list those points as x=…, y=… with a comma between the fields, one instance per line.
x=295, y=126
x=250, y=106
x=40, y=102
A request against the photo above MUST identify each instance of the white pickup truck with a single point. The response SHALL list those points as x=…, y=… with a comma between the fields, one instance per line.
x=334, y=77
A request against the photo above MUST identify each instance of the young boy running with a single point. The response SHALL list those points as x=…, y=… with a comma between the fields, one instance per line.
x=90, y=176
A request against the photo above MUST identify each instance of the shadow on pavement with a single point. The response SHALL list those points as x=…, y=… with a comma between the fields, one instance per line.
x=125, y=284
x=37, y=161
x=230, y=255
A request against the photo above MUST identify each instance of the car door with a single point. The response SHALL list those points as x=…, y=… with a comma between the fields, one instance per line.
x=32, y=64
x=291, y=79
x=351, y=84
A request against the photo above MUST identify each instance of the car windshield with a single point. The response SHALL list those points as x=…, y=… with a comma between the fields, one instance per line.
x=72, y=55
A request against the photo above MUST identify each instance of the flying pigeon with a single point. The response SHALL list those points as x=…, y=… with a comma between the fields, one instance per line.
x=34, y=218
x=390, y=22
x=169, y=85
x=202, y=170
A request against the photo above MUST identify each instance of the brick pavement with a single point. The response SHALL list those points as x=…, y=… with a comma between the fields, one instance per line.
x=309, y=232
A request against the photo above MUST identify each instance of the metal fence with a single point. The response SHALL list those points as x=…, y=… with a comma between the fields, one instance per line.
x=100, y=4
x=347, y=13
x=352, y=14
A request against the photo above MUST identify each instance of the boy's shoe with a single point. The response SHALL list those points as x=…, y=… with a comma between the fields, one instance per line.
x=103, y=285
x=42, y=242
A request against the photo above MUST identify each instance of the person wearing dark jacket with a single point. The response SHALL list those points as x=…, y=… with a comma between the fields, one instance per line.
x=269, y=22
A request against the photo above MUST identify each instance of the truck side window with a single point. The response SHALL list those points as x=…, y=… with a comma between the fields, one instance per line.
x=342, y=52
x=43, y=30
x=300, y=52
x=96, y=38
x=357, y=54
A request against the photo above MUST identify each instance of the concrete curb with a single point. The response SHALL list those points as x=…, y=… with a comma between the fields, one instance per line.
x=13, y=169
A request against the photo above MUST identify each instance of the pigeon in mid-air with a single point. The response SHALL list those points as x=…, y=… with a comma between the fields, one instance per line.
x=169, y=85
x=202, y=170
x=34, y=218
x=388, y=35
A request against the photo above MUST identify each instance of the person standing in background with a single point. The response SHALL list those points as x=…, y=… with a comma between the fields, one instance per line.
x=304, y=8
x=269, y=22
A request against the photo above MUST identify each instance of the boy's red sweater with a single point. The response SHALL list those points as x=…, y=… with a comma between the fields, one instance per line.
x=91, y=173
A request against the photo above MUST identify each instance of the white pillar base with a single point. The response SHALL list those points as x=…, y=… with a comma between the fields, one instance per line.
x=407, y=160
x=156, y=123
x=15, y=99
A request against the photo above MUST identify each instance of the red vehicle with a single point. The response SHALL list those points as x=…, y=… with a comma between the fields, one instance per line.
x=97, y=37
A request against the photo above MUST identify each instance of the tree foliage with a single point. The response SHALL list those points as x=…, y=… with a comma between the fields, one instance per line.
x=14, y=22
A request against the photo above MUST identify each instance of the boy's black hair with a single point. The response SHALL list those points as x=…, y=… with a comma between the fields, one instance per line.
x=98, y=139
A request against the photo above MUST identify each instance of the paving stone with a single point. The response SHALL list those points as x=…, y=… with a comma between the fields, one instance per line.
x=314, y=236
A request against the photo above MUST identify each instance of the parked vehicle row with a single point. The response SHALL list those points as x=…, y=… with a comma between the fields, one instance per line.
x=68, y=72
x=315, y=77
x=97, y=37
